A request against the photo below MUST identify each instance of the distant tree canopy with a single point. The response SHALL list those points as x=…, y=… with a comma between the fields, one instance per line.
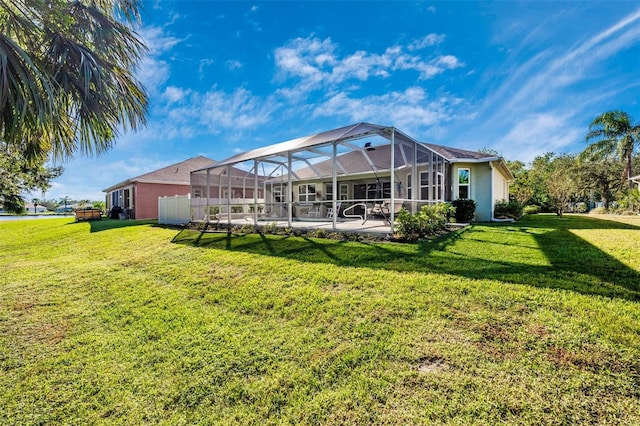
x=17, y=176
x=554, y=181
x=66, y=71
x=613, y=134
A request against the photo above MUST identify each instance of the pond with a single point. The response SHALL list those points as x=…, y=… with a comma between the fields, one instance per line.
x=32, y=216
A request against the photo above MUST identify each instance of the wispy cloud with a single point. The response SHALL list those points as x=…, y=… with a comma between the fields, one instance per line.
x=543, y=102
x=233, y=64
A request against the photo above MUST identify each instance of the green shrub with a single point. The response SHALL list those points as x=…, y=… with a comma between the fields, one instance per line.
x=465, y=210
x=598, y=210
x=236, y=209
x=532, y=209
x=504, y=209
x=428, y=221
x=580, y=207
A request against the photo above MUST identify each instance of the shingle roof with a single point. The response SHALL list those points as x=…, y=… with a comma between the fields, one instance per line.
x=453, y=154
x=175, y=174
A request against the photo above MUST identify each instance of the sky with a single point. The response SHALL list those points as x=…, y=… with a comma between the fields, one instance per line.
x=522, y=78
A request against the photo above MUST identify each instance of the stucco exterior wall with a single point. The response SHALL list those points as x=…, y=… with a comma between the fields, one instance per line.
x=500, y=186
x=145, y=198
x=480, y=188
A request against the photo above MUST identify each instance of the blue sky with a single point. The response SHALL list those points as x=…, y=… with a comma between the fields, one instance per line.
x=523, y=78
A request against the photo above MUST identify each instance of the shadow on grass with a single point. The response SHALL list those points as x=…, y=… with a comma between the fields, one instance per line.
x=548, y=255
x=105, y=224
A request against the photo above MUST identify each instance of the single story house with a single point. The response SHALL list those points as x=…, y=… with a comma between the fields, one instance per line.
x=352, y=169
x=138, y=196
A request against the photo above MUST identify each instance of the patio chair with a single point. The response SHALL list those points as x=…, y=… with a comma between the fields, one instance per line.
x=330, y=210
x=314, y=211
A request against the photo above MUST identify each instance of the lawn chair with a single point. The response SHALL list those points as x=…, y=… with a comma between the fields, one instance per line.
x=330, y=212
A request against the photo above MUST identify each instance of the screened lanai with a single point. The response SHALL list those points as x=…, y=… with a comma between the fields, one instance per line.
x=359, y=173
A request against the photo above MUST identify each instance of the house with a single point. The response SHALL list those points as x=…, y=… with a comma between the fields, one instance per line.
x=32, y=208
x=138, y=196
x=359, y=168
x=635, y=180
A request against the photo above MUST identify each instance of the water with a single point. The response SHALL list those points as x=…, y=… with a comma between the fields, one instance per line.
x=32, y=217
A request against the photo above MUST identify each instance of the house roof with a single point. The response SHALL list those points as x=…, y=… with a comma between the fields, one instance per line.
x=175, y=174
x=456, y=154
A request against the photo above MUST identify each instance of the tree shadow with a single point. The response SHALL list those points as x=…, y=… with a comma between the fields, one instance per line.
x=569, y=262
x=106, y=224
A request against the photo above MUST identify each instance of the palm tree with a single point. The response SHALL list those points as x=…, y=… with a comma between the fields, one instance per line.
x=35, y=202
x=66, y=74
x=65, y=200
x=613, y=134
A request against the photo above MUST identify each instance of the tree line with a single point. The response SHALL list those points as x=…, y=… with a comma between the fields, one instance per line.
x=600, y=174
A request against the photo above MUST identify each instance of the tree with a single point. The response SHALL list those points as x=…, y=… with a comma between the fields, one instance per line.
x=35, y=202
x=522, y=188
x=17, y=176
x=66, y=75
x=600, y=177
x=65, y=201
x=561, y=183
x=613, y=134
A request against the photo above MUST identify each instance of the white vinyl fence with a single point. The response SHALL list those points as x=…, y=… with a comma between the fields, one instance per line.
x=174, y=210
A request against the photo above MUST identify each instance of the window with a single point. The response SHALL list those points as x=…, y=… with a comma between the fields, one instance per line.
x=409, y=186
x=197, y=193
x=306, y=193
x=344, y=191
x=424, y=186
x=329, y=192
x=372, y=191
x=464, y=180
x=277, y=193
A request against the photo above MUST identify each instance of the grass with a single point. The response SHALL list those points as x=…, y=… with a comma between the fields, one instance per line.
x=108, y=322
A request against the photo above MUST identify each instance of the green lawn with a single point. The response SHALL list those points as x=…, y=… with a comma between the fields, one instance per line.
x=536, y=322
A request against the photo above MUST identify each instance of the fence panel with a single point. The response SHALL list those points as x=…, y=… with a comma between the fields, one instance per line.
x=174, y=210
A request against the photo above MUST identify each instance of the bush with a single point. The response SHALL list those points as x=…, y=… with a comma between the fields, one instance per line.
x=580, y=207
x=598, y=210
x=504, y=209
x=428, y=221
x=465, y=210
x=532, y=209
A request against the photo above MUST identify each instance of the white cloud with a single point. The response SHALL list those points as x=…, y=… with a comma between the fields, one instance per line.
x=233, y=64
x=174, y=94
x=411, y=110
x=426, y=41
x=317, y=63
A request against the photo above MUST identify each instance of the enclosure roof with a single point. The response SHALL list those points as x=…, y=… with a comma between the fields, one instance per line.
x=354, y=131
